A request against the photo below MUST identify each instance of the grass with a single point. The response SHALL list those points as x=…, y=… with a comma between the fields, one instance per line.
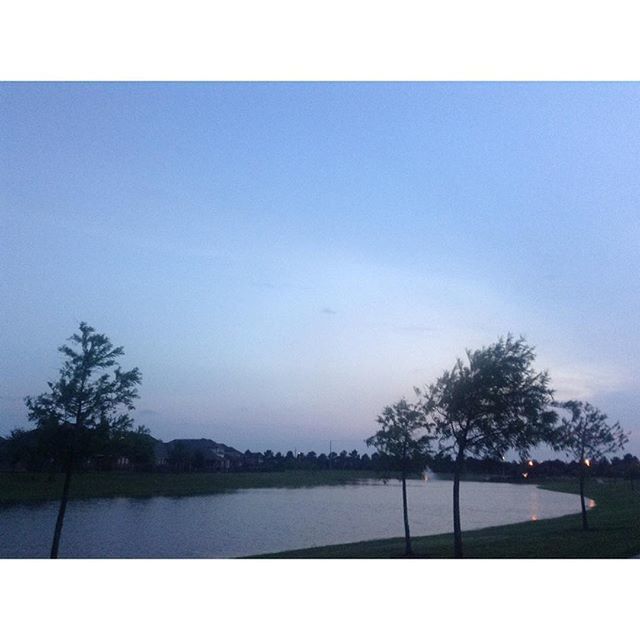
x=33, y=487
x=614, y=522
x=614, y=533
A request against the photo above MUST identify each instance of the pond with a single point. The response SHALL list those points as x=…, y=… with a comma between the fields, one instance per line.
x=253, y=521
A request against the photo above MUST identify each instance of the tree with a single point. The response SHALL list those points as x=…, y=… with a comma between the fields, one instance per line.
x=494, y=403
x=323, y=461
x=586, y=435
x=397, y=440
x=631, y=466
x=86, y=397
x=179, y=457
x=312, y=460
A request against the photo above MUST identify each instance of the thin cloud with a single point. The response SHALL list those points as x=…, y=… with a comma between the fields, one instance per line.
x=585, y=383
x=328, y=310
x=415, y=328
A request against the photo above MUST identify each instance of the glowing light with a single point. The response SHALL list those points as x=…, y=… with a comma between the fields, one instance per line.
x=534, y=518
x=587, y=462
x=530, y=463
x=525, y=475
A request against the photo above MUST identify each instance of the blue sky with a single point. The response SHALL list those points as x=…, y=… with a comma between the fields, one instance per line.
x=282, y=260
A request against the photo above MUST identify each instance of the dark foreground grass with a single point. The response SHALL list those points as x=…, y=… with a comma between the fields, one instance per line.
x=614, y=522
x=32, y=487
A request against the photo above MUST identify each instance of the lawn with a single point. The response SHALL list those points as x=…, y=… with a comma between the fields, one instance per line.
x=614, y=533
x=31, y=487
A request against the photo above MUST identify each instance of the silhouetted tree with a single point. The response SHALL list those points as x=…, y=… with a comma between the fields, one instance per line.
x=311, y=460
x=85, y=397
x=494, y=403
x=631, y=466
x=289, y=460
x=398, y=440
x=180, y=458
x=586, y=435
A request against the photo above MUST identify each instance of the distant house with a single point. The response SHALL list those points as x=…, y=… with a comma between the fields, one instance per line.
x=122, y=462
x=252, y=461
x=160, y=454
x=198, y=455
x=101, y=462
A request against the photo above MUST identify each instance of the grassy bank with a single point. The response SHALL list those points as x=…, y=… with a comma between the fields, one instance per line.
x=615, y=533
x=31, y=487
x=615, y=521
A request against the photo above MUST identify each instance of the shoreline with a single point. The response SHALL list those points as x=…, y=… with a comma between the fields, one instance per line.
x=614, y=522
x=614, y=533
x=27, y=488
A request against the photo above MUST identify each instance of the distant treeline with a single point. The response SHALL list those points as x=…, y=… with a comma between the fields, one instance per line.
x=627, y=466
x=44, y=450
x=270, y=461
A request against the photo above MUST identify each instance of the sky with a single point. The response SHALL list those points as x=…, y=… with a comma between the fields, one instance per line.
x=282, y=260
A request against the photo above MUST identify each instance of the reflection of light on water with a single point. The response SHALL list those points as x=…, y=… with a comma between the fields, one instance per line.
x=592, y=503
x=534, y=505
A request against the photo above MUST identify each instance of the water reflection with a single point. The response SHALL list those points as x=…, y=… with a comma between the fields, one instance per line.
x=265, y=520
x=534, y=504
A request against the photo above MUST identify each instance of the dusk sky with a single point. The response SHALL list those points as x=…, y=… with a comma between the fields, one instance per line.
x=283, y=260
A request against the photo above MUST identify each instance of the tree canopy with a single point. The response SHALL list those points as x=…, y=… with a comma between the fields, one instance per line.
x=399, y=441
x=86, y=395
x=585, y=434
x=494, y=402
x=491, y=404
x=86, y=399
x=398, y=437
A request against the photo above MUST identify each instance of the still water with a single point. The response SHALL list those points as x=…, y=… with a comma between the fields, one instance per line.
x=252, y=521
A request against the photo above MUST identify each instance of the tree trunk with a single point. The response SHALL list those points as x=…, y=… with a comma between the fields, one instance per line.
x=585, y=524
x=63, y=506
x=407, y=536
x=457, y=529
